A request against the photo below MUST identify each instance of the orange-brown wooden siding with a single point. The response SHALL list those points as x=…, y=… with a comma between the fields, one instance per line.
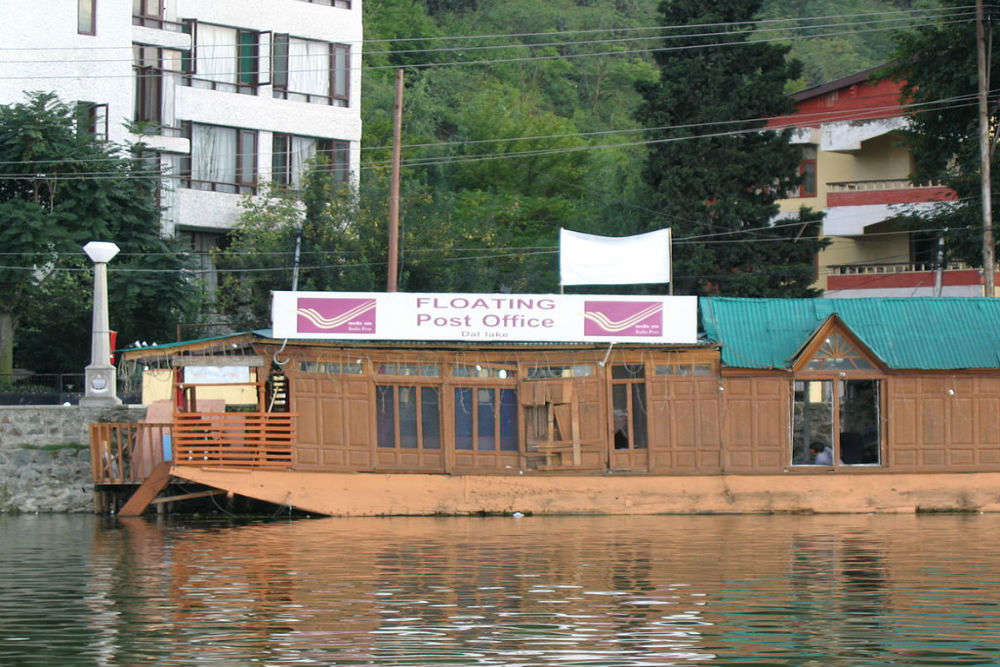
x=756, y=411
x=944, y=422
x=698, y=424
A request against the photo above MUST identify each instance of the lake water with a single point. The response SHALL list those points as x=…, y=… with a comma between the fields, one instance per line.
x=748, y=590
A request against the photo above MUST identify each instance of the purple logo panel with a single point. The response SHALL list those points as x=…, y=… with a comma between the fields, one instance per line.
x=348, y=316
x=623, y=318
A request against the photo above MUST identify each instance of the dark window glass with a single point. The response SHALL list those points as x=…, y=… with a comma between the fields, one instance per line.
x=408, y=417
x=463, y=418
x=430, y=420
x=247, y=60
x=385, y=410
x=619, y=396
x=279, y=60
x=639, y=440
x=808, y=171
x=340, y=74
x=859, y=422
x=508, y=420
x=487, y=425
x=628, y=372
x=281, y=172
x=247, y=158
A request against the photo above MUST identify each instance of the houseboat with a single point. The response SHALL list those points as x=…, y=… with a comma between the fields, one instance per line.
x=770, y=405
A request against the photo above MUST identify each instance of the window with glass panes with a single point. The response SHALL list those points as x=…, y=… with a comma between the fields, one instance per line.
x=408, y=416
x=836, y=406
x=628, y=404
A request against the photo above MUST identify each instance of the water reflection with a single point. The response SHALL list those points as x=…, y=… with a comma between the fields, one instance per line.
x=534, y=591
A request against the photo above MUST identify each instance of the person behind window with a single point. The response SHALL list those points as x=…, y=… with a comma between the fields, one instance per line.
x=822, y=454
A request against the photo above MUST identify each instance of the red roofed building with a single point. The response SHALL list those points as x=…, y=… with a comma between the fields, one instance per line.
x=856, y=169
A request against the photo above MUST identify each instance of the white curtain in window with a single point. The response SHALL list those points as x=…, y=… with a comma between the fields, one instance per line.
x=216, y=53
x=308, y=66
x=213, y=154
x=303, y=149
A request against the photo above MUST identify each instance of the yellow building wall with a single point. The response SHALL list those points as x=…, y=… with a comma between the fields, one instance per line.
x=158, y=383
x=880, y=158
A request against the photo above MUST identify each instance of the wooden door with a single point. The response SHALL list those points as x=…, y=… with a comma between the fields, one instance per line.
x=629, y=418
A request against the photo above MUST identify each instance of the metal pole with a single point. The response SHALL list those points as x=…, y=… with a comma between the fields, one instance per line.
x=392, y=278
x=295, y=266
x=939, y=274
x=984, y=155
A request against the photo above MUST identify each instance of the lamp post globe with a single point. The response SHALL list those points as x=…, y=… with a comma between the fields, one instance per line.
x=100, y=377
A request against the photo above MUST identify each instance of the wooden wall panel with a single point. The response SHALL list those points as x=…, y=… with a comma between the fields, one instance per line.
x=755, y=424
x=943, y=422
x=685, y=429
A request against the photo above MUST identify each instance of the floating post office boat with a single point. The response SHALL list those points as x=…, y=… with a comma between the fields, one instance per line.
x=381, y=404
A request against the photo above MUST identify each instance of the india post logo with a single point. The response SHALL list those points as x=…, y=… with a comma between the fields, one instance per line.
x=623, y=318
x=347, y=316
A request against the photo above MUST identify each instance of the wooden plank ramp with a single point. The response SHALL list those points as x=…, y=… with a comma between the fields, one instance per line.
x=147, y=491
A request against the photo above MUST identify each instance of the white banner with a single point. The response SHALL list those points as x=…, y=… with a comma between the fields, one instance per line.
x=480, y=317
x=585, y=259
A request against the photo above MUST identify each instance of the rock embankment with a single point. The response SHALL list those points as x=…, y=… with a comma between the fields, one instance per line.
x=45, y=456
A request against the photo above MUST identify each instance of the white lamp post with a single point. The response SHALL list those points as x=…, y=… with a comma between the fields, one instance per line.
x=100, y=377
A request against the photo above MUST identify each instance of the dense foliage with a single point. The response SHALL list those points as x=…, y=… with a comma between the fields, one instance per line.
x=475, y=219
x=728, y=178
x=61, y=189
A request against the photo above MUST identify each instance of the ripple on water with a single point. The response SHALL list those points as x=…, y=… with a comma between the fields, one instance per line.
x=868, y=590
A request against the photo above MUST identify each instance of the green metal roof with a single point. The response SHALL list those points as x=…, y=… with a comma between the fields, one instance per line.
x=914, y=333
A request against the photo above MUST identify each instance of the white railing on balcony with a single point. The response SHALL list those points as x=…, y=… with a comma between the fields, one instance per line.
x=893, y=267
x=878, y=184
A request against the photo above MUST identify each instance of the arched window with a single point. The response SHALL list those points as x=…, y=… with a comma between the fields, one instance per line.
x=837, y=401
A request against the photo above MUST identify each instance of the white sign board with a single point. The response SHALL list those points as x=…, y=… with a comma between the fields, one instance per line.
x=481, y=317
x=217, y=374
x=585, y=259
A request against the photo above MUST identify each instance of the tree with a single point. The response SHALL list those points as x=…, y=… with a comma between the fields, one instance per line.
x=938, y=68
x=715, y=179
x=61, y=188
x=336, y=246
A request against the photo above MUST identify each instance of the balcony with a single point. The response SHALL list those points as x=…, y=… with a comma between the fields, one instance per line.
x=884, y=191
x=892, y=267
x=907, y=279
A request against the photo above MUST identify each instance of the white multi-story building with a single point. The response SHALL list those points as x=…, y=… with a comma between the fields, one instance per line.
x=230, y=94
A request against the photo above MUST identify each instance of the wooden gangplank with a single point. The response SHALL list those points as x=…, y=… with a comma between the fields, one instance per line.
x=147, y=491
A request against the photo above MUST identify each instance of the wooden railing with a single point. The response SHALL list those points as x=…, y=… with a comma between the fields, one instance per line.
x=893, y=267
x=126, y=453
x=240, y=439
x=878, y=184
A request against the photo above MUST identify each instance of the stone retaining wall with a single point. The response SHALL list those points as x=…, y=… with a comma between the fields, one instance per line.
x=45, y=456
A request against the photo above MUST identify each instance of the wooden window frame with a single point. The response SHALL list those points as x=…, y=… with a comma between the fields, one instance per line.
x=630, y=409
x=340, y=99
x=877, y=373
x=89, y=121
x=418, y=388
x=498, y=387
x=324, y=146
x=240, y=186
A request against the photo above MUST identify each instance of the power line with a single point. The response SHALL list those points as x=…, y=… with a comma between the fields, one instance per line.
x=495, y=61
x=913, y=12
x=454, y=159
x=944, y=13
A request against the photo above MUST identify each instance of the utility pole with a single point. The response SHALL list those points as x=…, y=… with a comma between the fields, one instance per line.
x=392, y=278
x=984, y=154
